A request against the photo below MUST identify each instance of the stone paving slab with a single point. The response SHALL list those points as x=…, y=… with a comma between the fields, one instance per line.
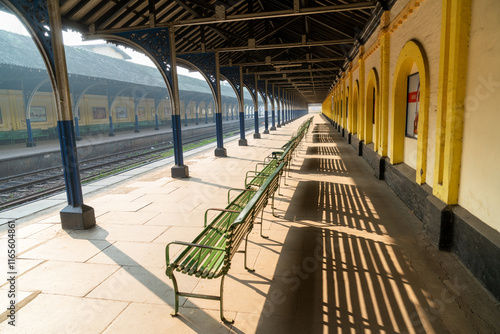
x=343, y=254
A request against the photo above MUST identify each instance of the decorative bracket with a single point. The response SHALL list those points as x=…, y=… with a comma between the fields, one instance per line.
x=232, y=74
x=249, y=81
x=35, y=14
x=156, y=43
x=205, y=63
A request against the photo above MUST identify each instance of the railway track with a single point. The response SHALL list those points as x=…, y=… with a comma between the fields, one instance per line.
x=27, y=187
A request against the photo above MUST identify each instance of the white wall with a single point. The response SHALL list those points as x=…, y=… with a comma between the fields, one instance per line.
x=479, y=190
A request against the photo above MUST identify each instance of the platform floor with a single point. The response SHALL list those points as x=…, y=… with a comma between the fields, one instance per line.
x=343, y=255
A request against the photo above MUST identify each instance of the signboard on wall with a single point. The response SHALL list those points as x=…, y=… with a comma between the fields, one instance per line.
x=38, y=114
x=121, y=112
x=99, y=112
x=141, y=112
x=412, y=102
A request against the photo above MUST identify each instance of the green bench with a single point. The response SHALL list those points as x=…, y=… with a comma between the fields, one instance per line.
x=209, y=255
x=257, y=177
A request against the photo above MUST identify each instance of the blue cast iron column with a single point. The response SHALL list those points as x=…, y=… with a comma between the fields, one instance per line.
x=256, y=135
x=266, y=109
x=243, y=140
x=220, y=151
x=278, y=107
x=76, y=215
x=273, y=120
x=283, y=104
x=157, y=120
x=179, y=170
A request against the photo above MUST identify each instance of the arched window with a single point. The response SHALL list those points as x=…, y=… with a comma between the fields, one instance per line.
x=354, y=112
x=371, y=109
x=410, y=108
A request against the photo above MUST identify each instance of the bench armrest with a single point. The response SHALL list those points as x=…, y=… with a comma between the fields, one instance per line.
x=236, y=189
x=167, y=256
x=258, y=176
x=217, y=209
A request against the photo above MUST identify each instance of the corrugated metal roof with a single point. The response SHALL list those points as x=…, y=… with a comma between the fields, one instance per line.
x=317, y=37
x=20, y=51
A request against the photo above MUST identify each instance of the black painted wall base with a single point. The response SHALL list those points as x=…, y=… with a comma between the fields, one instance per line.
x=349, y=138
x=477, y=245
x=369, y=155
x=438, y=222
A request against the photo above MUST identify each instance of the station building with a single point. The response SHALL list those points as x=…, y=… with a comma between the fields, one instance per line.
x=112, y=83
x=419, y=103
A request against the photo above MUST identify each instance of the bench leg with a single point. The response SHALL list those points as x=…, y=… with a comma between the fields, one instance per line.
x=222, y=302
x=261, y=224
x=176, y=298
x=272, y=206
x=246, y=251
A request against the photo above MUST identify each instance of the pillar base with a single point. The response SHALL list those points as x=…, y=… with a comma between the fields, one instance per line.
x=78, y=138
x=380, y=167
x=266, y=132
x=30, y=144
x=137, y=131
x=111, y=134
x=438, y=222
x=179, y=171
x=157, y=128
x=243, y=142
x=77, y=218
x=279, y=125
x=256, y=136
x=273, y=128
x=220, y=152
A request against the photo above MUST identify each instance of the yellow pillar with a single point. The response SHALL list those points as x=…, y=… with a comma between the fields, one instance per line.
x=361, y=97
x=455, y=26
x=344, y=103
x=349, y=100
x=383, y=121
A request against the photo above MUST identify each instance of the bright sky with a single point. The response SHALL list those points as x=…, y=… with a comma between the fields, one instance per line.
x=10, y=23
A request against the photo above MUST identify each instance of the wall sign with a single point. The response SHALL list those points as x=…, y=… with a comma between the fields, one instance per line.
x=121, y=112
x=38, y=114
x=412, y=103
x=99, y=112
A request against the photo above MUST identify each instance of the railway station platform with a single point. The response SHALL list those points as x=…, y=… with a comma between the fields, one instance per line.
x=17, y=158
x=344, y=254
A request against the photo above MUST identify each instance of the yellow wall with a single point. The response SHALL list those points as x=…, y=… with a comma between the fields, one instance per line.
x=422, y=25
x=421, y=21
x=479, y=190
